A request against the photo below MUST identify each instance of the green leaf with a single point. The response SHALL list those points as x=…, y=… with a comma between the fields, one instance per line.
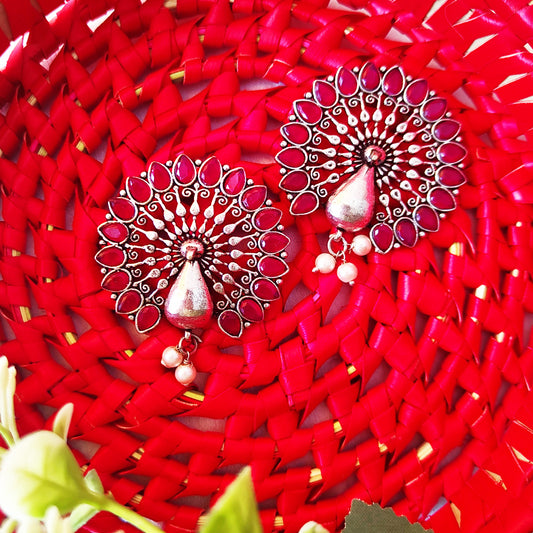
x=236, y=510
x=93, y=482
x=62, y=420
x=364, y=518
x=81, y=515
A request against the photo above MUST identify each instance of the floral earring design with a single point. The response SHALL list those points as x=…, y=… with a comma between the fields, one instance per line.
x=189, y=240
x=381, y=151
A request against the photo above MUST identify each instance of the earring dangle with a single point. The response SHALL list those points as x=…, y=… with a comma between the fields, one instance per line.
x=188, y=241
x=381, y=151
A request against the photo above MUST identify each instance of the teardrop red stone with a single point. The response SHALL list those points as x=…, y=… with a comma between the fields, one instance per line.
x=393, y=82
x=406, y=232
x=308, y=111
x=426, y=218
x=272, y=267
x=139, y=189
x=234, y=181
x=116, y=281
x=446, y=129
x=324, y=93
x=147, y=318
x=267, y=218
x=210, y=172
x=296, y=133
x=346, y=82
x=265, y=289
x=159, y=176
x=111, y=256
x=129, y=301
x=292, y=157
x=251, y=309
x=450, y=176
x=114, y=231
x=441, y=199
x=382, y=236
x=295, y=181
x=273, y=242
x=416, y=92
x=122, y=208
x=184, y=170
x=370, y=77
x=304, y=203
x=230, y=322
x=451, y=153
x=434, y=109
x=254, y=197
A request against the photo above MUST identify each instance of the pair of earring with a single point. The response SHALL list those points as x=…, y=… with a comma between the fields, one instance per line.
x=378, y=148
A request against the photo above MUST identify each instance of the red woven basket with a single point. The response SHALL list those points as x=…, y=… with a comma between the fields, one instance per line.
x=410, y=389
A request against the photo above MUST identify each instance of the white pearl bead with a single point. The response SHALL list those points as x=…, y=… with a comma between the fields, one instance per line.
x=347, y=272
x=361, y=245
x=171, y=357
x=325, y=263
x=185, y=373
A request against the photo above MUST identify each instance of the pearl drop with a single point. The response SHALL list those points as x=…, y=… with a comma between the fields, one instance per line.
x=361, y=245
x=347, y=272
x=325, y=263
x=171, y=357
x=185, y=373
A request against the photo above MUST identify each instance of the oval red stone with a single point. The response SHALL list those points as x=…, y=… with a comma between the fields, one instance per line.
x=234, y=181
x=114, y=231
x=296, y=133
x=346, y=82
x=250, y=309
x=292, y=157
x=272, y=267
x=122, y=208
x=451, y=153
x=382, y=236
x=393, y=81
x=159, y=176
x=450, y=176
x=304, y=203
x=324, y=93
x=138, y=189
x=446, y=129
x=147, y=318
x=184, y=170
x=273, y=242
x=294, y=181
x=369, y=78
x=441, y=199
x=307, y=111
x=426, y=218
x=265, y=289
x=116, y=281
x=406, y=232
x=210, y=172
x=129, y=302
x=111, y=256
x=434, y=109
x=416, y=92
x=254, y=197
x=267, y=218
x=230, y=322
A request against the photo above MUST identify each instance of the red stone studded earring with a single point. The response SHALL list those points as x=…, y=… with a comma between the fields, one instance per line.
x=189, y=240
x=381, y=151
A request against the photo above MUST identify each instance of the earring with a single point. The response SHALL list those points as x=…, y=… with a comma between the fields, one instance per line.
x=381, y=151
x=189, y=240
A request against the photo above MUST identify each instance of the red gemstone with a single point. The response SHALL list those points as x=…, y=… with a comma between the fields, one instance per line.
x=273, y=242
x=324, y=93
x=382, y=236
x=450, y=176
x=446, y=129
x=406, y=232
x=426, y=218
x=210, y=172
x=116, y=281
x=138, y=189
x=369, y=77
x=346, y=82
x=272, y=267
x=416, y=92
x=451, y=153
x=441, y=199
x=267, y=218
x=159, y=176
x=184, y=170
x=111, y=256
x=296, y=133
x=304, y=203
x=393, y=81
x=129, y=301
x=234, y=181
x=292, y=157
x=265, y=289
x=307, y=111
x=295, y=181
x=122, y=208
x=254, y=197
x=251, y=309
x=147, y=318
x=434, y=109
x=114, y=231
x=230, y=322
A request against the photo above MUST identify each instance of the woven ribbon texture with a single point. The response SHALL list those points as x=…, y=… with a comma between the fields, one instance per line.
x=410, y=389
